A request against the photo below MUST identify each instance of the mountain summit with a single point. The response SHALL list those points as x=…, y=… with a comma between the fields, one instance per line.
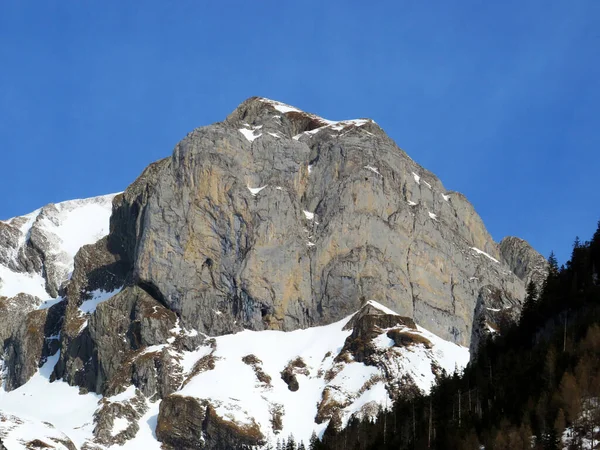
x=278, y=219
x=272, y=221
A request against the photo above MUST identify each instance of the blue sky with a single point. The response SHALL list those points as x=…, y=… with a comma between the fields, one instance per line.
x=499, y=99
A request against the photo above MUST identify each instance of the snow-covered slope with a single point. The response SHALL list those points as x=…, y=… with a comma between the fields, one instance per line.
x=238, y=389
x=16, y=432
x=37, y=250
x=58, y=404
x=241, y=377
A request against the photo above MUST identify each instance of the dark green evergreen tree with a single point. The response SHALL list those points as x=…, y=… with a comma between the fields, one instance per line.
x=529, y=305
x=314, y=442
x=553, y=263
x=595, y=255
x=291, y=443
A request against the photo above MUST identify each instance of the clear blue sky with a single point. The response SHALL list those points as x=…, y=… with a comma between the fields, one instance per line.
x=499, y=99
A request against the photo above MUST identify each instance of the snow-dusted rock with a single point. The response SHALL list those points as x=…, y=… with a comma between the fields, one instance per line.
x=524, y=260
x=349, y=368
x=198, y=231
x=226, y=304
x=37, y=253
x=42, y=245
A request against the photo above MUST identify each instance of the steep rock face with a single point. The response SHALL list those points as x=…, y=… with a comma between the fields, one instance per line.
x=524, y=261
x=35, y=340
x=95, y=269
x=278, y=219
x=9, y=243
x=122, y=340
x=123, y=326
x=27, y=336
x=492, y=313
x=127, y=216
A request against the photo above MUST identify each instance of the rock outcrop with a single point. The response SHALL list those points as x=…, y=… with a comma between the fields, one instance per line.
x=186, y=423
x=524, y=261
x=37, y=253
x=329, y=374
x=27, y=336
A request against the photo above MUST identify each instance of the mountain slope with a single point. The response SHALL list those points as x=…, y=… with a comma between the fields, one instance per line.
x=273, y=382
x=311, y=262
x=37, y=250
x=37, y=253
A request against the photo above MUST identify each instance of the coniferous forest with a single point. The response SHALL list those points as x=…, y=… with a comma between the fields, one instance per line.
x=535, y=384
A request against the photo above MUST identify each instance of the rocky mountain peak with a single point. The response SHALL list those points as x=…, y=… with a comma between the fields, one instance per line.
x=311, y=258
x=259, y=115
x=272, y=194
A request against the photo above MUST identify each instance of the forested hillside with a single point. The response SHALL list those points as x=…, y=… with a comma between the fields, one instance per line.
x=535, y=383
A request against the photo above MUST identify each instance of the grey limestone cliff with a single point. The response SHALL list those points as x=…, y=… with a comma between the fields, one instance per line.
x=278, y=219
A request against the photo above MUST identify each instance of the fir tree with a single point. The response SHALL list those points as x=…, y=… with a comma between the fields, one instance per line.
x=314, y=442
x=595, y=255
x=553, y=263
x=528, y=311
x=291, y=443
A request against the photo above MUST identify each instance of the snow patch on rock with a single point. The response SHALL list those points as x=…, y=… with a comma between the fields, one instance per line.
x=309, y=215
x=98, y=296
x=255, y=191
x=481, y=252
x=373, y=169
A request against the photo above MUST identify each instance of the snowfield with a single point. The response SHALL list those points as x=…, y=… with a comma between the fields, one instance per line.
x=56, y=403
x=68, y=226
x=235, y=390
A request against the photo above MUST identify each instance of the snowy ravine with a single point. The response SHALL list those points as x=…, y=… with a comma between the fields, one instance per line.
x=245, y=385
